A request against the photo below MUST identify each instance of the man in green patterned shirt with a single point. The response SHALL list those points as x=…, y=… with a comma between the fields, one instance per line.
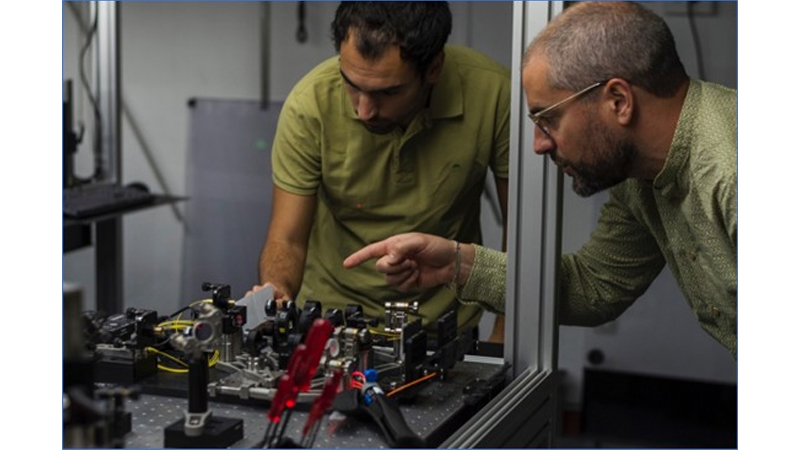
x=614, y=109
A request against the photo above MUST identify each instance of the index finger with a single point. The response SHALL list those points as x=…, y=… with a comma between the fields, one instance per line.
x=371, y=251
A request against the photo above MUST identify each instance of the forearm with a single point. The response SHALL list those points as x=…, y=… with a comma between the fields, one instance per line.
x=281, y=264
x=482, y=278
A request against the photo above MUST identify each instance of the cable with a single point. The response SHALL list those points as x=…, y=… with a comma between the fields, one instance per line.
x=211, y=362
x=170, y=357
x=392, y=336
x=189, y=306
x=95, y=107
x=302, y=33
x=381, y=333
x=408, y=385
x=317, y=383
x=176, y=325
x=381, y=352
x=383, y=368
x=179, y=312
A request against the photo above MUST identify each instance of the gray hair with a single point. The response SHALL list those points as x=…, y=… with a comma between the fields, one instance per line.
x=597, y=41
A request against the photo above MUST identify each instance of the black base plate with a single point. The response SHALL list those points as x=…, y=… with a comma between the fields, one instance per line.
x=219, y=432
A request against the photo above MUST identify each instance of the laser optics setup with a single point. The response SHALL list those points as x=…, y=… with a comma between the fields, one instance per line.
x=265, y=354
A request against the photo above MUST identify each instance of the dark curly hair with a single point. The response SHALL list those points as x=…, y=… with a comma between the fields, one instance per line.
x=420, y=29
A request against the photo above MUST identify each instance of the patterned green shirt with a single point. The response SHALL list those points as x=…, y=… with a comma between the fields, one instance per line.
x=368, y=186
x=685, y=218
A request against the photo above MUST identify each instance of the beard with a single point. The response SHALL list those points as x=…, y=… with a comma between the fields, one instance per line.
x=380, y=128
x=387, y=124
x=610, y=162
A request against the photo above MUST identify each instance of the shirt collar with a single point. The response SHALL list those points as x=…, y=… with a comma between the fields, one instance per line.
x=447, y=98
x=667, y=180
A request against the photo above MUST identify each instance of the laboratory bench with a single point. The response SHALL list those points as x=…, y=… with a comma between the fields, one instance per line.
x=436, y=411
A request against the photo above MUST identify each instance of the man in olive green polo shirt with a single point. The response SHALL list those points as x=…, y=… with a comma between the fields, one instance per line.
x=614, y=108
x=395, y=134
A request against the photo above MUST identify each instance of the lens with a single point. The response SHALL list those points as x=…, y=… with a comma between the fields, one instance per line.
x=203, y=331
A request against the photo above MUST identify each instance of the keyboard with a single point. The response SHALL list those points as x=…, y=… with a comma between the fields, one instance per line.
x=92, y=200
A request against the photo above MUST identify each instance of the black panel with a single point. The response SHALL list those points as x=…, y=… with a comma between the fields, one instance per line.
x=658, y=411
x=229, y=182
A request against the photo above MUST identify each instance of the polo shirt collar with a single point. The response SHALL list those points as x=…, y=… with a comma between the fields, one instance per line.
x=447, y=97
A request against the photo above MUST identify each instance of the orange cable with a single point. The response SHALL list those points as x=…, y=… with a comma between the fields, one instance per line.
x=417, y=381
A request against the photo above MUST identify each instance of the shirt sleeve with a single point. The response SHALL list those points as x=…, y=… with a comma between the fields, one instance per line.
x=729, y=206
x=486, y=286
x=611, y=270
x=296, y=154
x=598, y=283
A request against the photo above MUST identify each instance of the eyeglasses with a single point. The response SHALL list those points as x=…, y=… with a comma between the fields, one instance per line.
x=542, y=122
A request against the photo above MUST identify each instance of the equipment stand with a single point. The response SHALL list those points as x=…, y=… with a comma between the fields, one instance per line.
x=199, y=428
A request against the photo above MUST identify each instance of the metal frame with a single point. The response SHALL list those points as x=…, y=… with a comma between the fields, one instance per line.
x=108, y=232
x=535, y=188
x=524, y=414
x=108, y=89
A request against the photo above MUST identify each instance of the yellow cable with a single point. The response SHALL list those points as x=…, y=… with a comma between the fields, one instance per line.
x=205, y=300
x=381, y=333
x=172, y=370
x=176, y=322
x=391, y=336
x=211, y=361
x=166, y=355
x=176, y=325
x=214, y=359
